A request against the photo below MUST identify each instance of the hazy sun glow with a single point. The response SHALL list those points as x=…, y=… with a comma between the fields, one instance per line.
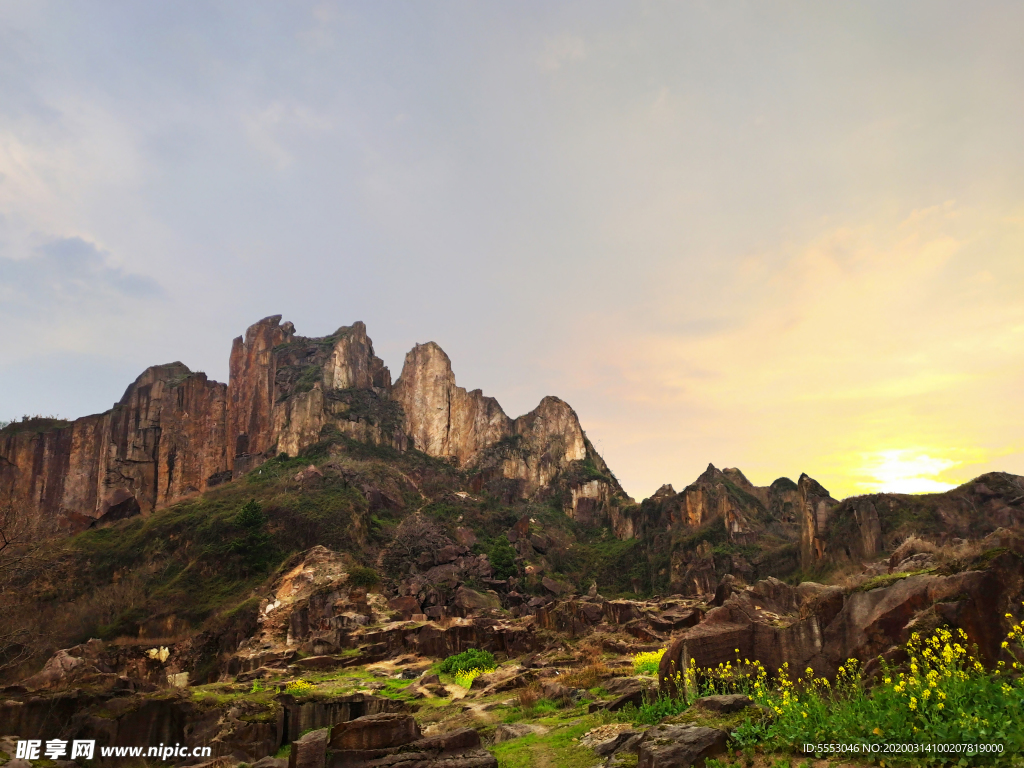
x=906, y=471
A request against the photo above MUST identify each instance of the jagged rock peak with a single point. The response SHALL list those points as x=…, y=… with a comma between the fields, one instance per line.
x=737, y=477
x=442, y=418
x=665, y=492
x=809, y=486
x=710, y=475
x=172, y=373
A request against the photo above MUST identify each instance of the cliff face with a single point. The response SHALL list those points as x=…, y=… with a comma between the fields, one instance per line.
x=548, y=443
x=165, y=439
x=862, y=527
x=441, y=418
x=251, y=389
x=175, y=433
x=815, y=505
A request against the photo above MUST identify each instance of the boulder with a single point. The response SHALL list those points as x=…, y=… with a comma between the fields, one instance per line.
x=555, y=587
x=469, y=600
x=371, y=732
x=608, y=739
x=679, y=746
x=407, y=606
x=309, y=751
x=465, y=536
x=56, y=670
x=454, y=741
x=621, y=611
x=635, y=697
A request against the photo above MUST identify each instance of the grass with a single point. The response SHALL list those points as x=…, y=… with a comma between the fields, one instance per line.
x=558, y=747
x=887, y=579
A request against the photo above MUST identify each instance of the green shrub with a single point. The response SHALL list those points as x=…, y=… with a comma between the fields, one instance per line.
x=467, y=660
x=503, y=558
x=361, y=576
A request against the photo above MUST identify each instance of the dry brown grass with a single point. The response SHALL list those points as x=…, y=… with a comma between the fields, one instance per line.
x=591, y=648
x=528, y=696
x=956, y=554
x=961, y=550
x=585, y=677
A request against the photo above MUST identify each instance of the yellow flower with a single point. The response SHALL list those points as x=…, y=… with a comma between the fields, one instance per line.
x=804, y=714
x=877, y=731
x=913, y=702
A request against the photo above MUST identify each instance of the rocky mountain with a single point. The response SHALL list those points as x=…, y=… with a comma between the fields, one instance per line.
x=282, y=562
x=175, y=433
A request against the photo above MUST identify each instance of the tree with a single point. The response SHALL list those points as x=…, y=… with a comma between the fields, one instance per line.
x=254, y=545
x=414, y=536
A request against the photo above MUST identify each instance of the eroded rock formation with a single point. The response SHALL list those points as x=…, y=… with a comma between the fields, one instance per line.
x=164, y=440
x=175, y=433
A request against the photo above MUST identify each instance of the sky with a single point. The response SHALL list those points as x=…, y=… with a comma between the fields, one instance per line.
x=786, y=237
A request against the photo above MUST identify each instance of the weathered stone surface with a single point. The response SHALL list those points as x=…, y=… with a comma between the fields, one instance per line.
x=453, y=741
x=509, y=731
x=555, y=587
x=816, y=504
x=56, y=670
x=606, y=739
x=636, y=697
x=442, y=418
x=174, y=433
x=679, y=746
x=407, y=606
x=821, y=627
x=469, y=600
x=309, y=751
x=381, y=731
x=725, y=703
x=251, y=390
x=164, y=440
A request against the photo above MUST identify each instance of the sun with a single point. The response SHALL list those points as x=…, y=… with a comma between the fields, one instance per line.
x=906, y=471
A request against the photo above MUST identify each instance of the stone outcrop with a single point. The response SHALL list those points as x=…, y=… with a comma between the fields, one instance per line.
x=815, y=505
x=241, y=729
x=175, y=433
x=816, y=626
x=726, y=497
x=679, y=746
x=163, y=441
x=862, y=527
x=470, y=429
x=442, y=418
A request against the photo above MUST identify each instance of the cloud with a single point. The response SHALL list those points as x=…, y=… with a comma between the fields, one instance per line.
x=70, y=269
x=276, y=129
x=868, y=340
x=561, y=50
